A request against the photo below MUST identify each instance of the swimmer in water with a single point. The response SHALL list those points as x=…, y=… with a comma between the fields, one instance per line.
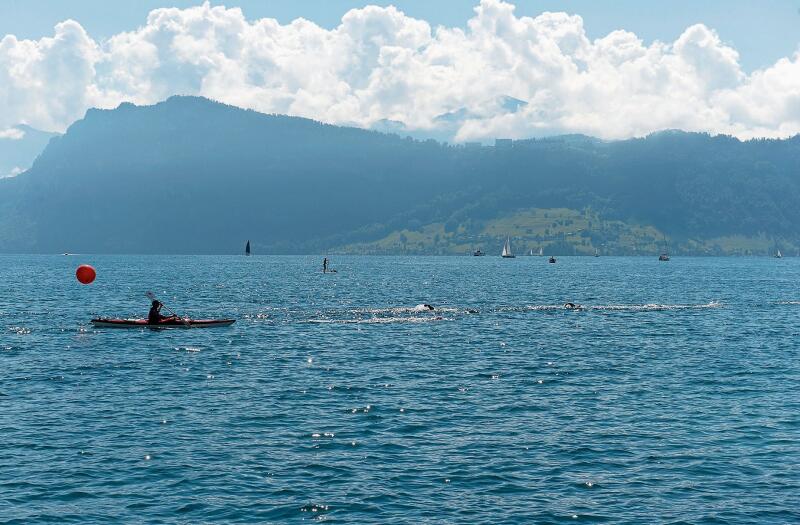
x=572, y=306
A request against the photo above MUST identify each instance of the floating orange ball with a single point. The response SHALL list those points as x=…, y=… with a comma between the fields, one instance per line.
x=85, y=274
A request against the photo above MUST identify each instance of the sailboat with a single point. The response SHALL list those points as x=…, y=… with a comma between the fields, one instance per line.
x=531, y=253
x=541, y=251
x=247, y=248
x=507, y=249
x=665, y=254
x=778, y=254
x=596, y=252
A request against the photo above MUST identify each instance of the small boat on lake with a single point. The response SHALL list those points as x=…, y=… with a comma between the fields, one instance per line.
x=478, y=253
x=247, y=248
x=552, y=260
x=507, y=253
x=778, y=254
x=665, y=254
x=103, y=322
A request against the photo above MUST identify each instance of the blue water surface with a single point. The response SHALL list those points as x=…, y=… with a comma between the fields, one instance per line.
x=673, y=396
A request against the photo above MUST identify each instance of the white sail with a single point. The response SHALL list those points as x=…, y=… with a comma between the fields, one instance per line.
x=507, y=248
x=541, y=251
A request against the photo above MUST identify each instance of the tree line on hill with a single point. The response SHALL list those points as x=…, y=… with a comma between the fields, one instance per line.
x=190, y=175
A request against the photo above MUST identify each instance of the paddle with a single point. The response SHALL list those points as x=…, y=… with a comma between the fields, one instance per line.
x=152, y=297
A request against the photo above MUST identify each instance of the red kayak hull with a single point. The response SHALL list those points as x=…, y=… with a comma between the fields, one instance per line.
x=142, y=323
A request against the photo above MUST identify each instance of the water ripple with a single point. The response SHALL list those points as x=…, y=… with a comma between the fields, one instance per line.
x=669, y=396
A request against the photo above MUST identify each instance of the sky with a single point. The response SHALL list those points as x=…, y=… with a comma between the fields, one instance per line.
x=762, y=31
x=613, y=69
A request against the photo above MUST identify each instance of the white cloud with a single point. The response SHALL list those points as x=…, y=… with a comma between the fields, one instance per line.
x=13, y=173
x=12, y=134
x=380, y=64
x=48, y=83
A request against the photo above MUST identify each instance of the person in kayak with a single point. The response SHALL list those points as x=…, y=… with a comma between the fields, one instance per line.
x=155, y=317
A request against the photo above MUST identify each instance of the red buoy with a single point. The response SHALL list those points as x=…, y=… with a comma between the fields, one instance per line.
x=85, y=274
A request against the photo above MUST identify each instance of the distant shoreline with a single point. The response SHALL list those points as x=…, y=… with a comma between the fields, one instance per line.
x=329, y=255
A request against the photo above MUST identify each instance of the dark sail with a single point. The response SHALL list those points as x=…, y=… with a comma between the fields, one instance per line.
x=247, y=248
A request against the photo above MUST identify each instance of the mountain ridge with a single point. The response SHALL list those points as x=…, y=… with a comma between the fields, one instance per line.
x=19, y=147
x=190, y=175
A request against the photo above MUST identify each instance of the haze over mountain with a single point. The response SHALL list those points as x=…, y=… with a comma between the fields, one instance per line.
x=19, y=146
x=189, y=175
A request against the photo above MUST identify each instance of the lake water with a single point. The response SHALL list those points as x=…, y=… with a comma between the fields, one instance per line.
x=672, y=397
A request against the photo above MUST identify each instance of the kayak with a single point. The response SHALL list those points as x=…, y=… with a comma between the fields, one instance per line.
x=170, y=323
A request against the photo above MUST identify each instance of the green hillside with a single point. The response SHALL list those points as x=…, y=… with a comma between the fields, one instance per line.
x=558, y=231
x=189, y=175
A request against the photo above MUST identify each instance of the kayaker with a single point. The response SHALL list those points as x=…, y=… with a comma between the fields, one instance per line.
x=155, y=317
